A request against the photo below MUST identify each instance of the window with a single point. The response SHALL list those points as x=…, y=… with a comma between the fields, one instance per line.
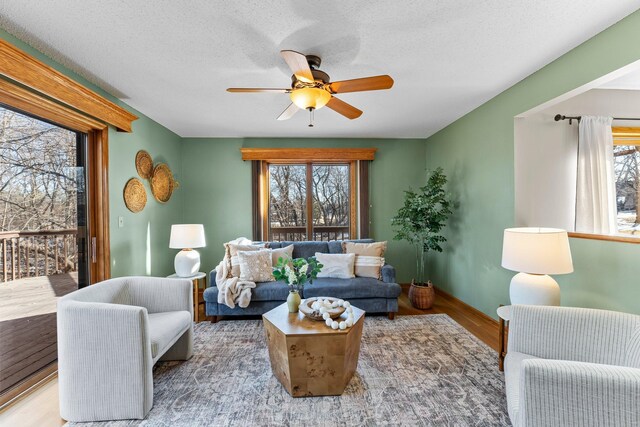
x=626, y=156
x=310, y=202
x=310, y=193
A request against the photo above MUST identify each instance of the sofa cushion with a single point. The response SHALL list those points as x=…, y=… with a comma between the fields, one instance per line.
x=270, y=291
x=307, y=249
x=165, y=329
x=512, y=365
x=358, y=287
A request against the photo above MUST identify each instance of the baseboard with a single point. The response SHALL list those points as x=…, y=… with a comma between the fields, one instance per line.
x=463, y=305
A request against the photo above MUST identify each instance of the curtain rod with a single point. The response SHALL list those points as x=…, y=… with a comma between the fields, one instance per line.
x=559, y=117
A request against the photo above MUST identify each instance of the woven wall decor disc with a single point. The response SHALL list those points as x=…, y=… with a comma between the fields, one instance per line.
x=144, y=164
x=135, y=196
x=162, y=183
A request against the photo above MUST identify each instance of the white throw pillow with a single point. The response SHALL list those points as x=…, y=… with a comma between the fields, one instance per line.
x=255, y=266
x=337, y=266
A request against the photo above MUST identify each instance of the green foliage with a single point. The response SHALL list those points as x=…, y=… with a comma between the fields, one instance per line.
x=297, y=272
x=424, y=214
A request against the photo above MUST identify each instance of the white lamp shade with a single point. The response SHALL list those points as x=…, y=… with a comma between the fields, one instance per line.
x=536, y=250
x=187, y=236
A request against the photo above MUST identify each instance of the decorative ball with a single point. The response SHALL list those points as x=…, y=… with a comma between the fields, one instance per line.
x=334, y=325
x=329, y=321
x=315, y=305
x=323, y=310
x=346, y=304
x=342, y=325
x=326, y=316
x=349, y=323
x=349, y=310
x=340, y=302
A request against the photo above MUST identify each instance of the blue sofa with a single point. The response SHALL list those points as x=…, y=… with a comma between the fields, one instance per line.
x=370, y=295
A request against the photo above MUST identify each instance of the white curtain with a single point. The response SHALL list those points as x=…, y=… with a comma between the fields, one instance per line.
x=596, y=209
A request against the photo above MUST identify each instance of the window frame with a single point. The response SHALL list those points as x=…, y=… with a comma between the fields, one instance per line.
x=357, y=158
x=622, y=135
x=265, y=213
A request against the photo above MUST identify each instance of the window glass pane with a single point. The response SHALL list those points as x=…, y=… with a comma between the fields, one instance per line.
x=330, y=189
x=626, y=162
x=287, y=202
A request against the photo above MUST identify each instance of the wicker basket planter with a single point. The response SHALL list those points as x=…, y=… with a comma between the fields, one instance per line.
x=422, y=296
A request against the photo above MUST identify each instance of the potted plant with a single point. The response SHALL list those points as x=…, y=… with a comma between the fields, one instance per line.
x=420, y=222
x=296, y=273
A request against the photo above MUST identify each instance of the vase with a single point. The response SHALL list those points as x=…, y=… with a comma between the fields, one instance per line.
x=293, y=301
x=421, y=296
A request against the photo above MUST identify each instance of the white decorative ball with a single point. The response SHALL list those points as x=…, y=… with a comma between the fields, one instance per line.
x=350, y=317
x=315, y=305
x=340, y=302
x=342, y=325
x=323, y=310
x=349, y=323
x=329, y=321
x=346, y=304
x=334, y=325
x=326, y=316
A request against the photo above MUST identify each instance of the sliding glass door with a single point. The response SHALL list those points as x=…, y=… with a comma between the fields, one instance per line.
x=43, y=237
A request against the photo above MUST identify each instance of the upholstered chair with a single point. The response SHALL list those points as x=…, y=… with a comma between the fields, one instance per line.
x=573, y=367
x=109, y=337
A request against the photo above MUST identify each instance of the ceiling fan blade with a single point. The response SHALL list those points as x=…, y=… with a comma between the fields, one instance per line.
x=359, y=85
x=298, y=64
x=288, y=112
x=341, y=107
x=256, y=89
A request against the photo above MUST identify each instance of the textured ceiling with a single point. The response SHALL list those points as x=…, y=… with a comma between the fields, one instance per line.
x=173, y=60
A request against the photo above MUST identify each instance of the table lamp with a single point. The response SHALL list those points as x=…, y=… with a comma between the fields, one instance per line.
x=187, y=237
x=535, y=253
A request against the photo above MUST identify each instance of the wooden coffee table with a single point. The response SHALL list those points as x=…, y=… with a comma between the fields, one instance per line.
x=308, y=357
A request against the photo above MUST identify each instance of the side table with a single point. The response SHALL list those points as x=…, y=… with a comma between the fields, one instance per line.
x=504, y=313
x=197, y=291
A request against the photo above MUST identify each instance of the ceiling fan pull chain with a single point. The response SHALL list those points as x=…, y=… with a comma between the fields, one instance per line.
x=310, y=117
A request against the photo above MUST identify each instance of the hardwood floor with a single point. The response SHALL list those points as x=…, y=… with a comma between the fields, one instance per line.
x=40, y=407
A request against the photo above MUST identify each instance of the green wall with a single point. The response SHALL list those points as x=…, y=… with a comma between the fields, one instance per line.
x=130, y=252
x=477, y=153
x=219, y=188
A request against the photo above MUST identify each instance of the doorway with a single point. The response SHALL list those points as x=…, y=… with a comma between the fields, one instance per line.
x=43, y=237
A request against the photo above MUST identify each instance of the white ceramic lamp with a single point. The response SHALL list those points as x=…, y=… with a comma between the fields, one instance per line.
x=535, y=253
x=187, y=237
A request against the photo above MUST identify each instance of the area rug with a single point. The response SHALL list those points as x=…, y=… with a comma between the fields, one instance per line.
x=413, y=371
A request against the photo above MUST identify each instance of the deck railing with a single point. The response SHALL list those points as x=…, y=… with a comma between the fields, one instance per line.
x=320, y=233
x=37, y=253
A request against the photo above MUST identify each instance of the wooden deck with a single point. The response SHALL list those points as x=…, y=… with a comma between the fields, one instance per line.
x=28, y=324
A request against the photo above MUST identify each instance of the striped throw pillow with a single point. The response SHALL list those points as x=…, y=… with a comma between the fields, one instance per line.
x=369, y=258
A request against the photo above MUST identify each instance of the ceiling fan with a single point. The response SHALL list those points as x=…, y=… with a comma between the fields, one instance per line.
x=311, y=88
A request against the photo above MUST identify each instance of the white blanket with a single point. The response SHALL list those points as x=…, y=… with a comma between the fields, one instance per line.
x=232, y=290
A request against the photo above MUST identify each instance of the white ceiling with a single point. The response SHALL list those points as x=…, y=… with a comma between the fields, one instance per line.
x=173, y=60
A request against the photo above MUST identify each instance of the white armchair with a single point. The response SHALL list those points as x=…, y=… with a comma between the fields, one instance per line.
x=109, y=337
x=573, y=367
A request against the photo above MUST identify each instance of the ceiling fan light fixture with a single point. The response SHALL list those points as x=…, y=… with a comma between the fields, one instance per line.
x=310, y=97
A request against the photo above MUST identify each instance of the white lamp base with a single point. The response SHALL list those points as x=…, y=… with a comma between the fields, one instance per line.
x=187, y=263
x=534, y=289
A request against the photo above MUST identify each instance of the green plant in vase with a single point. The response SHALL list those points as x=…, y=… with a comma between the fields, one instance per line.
x=420, y=222
x=296, y=273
